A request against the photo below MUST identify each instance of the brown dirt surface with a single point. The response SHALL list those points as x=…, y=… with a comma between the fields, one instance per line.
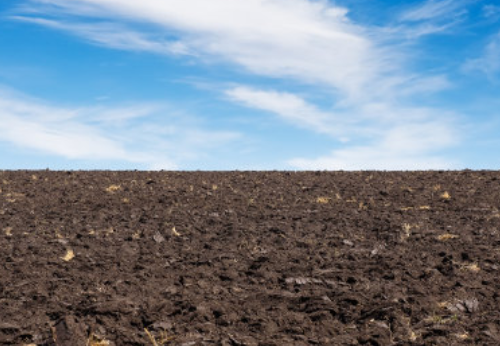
x=249, y=258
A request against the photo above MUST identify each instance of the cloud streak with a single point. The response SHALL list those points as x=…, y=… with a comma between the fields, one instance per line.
x=288, y=107
x=401, y=147
x=432, y=17
x=433, y=10
x=112, y=35
x=312, y=43
x=491, y=11
x=309, y=41
x=489, y=62
x=398, y=137
x=102, y=134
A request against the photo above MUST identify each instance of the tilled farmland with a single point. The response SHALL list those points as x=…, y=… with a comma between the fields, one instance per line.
x=249, y=258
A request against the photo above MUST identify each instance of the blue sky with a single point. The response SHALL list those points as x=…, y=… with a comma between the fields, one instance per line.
x=250, y=84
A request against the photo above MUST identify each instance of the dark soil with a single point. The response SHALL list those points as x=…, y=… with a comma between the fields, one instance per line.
x=249, y=258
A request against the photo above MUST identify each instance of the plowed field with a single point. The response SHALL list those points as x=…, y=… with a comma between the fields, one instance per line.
x=249, y=258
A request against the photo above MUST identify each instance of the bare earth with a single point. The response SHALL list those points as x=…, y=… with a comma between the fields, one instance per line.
x=249, y=258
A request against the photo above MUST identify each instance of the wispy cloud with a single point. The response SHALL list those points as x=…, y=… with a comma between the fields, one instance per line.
x=373, y=158
x=313, y=43
x=398, y=137
x=491, y=11
x=289, y=107
x=489, y=62
x=113, y=35
x=53, y=130
x=434, y=10
x=408, y=147
x=102, y=134
x=432, y=17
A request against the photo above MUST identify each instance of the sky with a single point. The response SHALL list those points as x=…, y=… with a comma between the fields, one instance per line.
x=250, y=84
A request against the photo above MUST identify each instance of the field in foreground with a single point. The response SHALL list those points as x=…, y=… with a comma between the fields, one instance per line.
x=249, y=258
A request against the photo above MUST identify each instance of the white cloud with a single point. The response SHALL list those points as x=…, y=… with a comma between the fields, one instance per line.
x=113, y=35
x=371, y=158
x=399, y=137
x=289, y=107
x=70, y=140
x=309, y=41
x=432, y=17
x=314, y=42
x=408, y=147
x=31, y=124
x=120, y=116
x=489, y=62
x=427, y=85
x=102, y=134
x=491, y=11
x=416, y=31
x=434, y=9
x=21, y=124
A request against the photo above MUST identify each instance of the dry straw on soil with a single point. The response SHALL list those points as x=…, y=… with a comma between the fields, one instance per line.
x=162, y=340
